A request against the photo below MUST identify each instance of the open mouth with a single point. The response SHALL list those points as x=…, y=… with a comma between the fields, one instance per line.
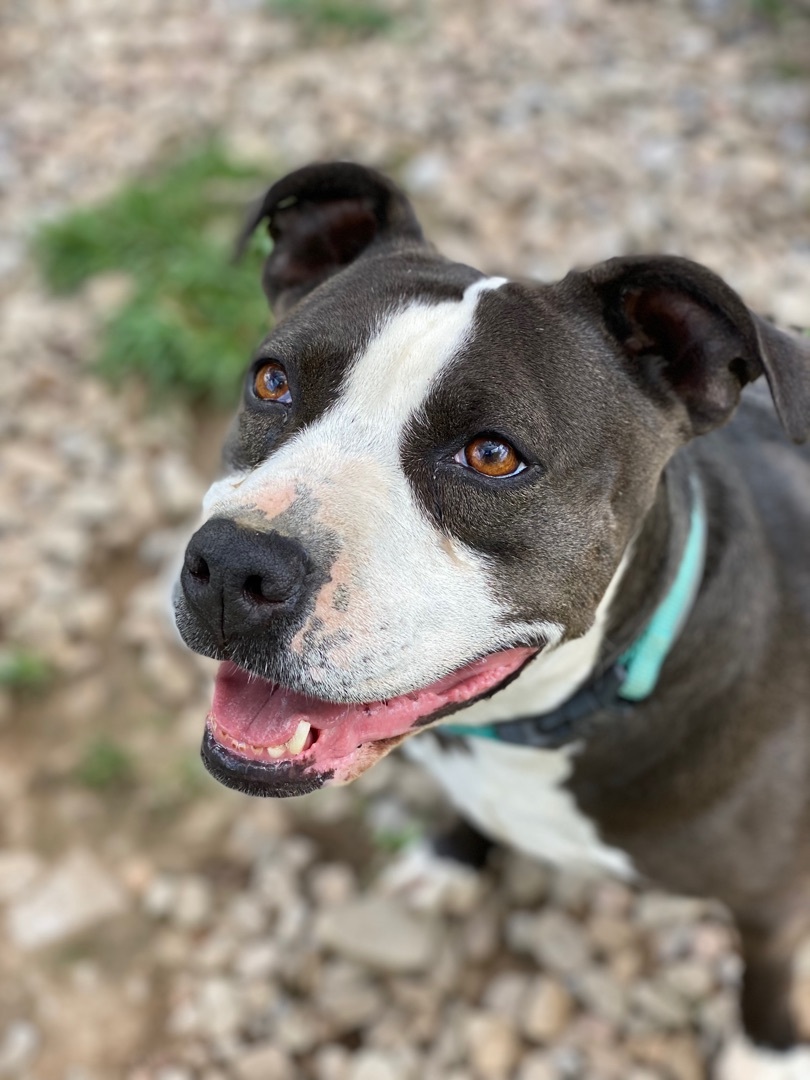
x=264, y=739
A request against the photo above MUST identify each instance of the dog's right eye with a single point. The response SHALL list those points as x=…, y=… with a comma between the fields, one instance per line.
x=270, y=383
x=492, y=456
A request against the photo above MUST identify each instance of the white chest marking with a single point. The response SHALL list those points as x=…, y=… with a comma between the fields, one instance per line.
x=740, y=1060
x=515, y=793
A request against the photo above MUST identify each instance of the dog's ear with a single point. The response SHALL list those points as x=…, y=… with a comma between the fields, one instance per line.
x=320, y=219
x=688, y=336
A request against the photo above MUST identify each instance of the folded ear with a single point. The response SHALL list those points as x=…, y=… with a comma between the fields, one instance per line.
x=688, y=336
x=321, y=218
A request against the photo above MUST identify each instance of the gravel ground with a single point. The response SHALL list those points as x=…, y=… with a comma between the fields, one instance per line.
x=155, y=926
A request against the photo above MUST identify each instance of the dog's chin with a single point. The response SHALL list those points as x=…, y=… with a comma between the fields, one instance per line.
x=264, y=739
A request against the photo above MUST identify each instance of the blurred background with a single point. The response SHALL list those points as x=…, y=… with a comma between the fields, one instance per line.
x=154, y=926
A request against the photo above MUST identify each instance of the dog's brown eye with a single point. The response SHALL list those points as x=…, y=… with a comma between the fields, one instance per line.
x=491, y=456
x=271, y=383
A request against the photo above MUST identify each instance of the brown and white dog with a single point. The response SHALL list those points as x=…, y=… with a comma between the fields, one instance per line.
x=447, y=491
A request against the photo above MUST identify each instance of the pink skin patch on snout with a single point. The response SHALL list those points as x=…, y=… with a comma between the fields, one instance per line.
x=257, y=720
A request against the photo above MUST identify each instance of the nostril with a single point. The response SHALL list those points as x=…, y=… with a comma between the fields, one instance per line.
x=199, y=569
x=253, y=590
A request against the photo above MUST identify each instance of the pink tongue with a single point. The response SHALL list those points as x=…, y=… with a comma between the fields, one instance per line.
x=263, y=714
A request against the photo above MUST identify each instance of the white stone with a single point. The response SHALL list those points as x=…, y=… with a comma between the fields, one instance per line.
x=18, y=870
x=77, y=894
x=380, y=933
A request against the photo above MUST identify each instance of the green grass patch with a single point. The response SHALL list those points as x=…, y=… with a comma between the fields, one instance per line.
x=344, y=18
x=193, y=317
x=391, y=841
x=22, y=671
x=105, y=765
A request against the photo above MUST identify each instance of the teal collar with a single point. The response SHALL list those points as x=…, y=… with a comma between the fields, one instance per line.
x=635, y=674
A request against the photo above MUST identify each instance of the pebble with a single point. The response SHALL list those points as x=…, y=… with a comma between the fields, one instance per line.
x=553, y=938
x=347, y=997
x=18, y=871
x=19, y=1044
x=376, y=1065
x=602, y=993
x=379, y=933
x=78, y=893
x=546, y=1010
x=659, y=1004
x=264, y=1063
x=492, y=1045
x=537, y=1066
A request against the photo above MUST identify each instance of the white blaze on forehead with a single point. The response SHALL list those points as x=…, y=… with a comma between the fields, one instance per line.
x=393, y=377
x=415, y=603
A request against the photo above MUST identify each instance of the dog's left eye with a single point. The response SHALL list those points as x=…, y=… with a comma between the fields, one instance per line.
x=270, y=383
x=491, y=456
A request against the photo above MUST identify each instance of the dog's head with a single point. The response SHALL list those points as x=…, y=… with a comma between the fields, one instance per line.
x=435, y=474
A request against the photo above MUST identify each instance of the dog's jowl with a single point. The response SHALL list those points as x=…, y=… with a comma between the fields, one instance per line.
x=547, y=533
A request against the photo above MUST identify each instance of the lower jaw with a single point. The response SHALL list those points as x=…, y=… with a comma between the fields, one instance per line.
x=279, y=780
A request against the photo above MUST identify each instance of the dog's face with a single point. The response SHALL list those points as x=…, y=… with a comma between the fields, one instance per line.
x=433, y=477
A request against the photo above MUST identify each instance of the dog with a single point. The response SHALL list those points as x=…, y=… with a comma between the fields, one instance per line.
x=547, y=533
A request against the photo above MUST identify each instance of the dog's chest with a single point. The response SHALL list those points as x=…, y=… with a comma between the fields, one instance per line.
x=517, y=795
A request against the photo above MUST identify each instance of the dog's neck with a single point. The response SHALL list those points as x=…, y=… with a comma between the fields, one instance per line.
x=653, y=562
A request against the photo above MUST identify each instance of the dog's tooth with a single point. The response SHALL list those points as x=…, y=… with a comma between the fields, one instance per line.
x=296, y=744
x=275, y=751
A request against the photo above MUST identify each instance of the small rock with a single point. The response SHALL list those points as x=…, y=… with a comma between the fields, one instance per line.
x=89, y=615
x=525, y=880
x=493, y=1047
x=677, y=1056
x=18, y=1047
x=169, y=676
x=481, y=933
x=332, y=1063
x=299, y=1031
x=546, y=1011
x=553, y=938
x=177, y=489
x=659, y=1004
x=655, y=909
x=380, y=933
x=332, y=884
x=192, y=903
x=376, y=1065
x=711, y=941
x=75, y=895
x=610, y=934
x=611, y=899
x=602, y=994
x=718, y=1016
x=689, y=979
x=160, y=896
x=18, y=870
x=264, y=1063
x=571, y=890
x=433, y=884
x=347, y=997
x=219, y=1008
x=505, y=993
x=537, y=1066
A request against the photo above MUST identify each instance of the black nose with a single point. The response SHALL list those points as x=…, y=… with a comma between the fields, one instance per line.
x=239, y=581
